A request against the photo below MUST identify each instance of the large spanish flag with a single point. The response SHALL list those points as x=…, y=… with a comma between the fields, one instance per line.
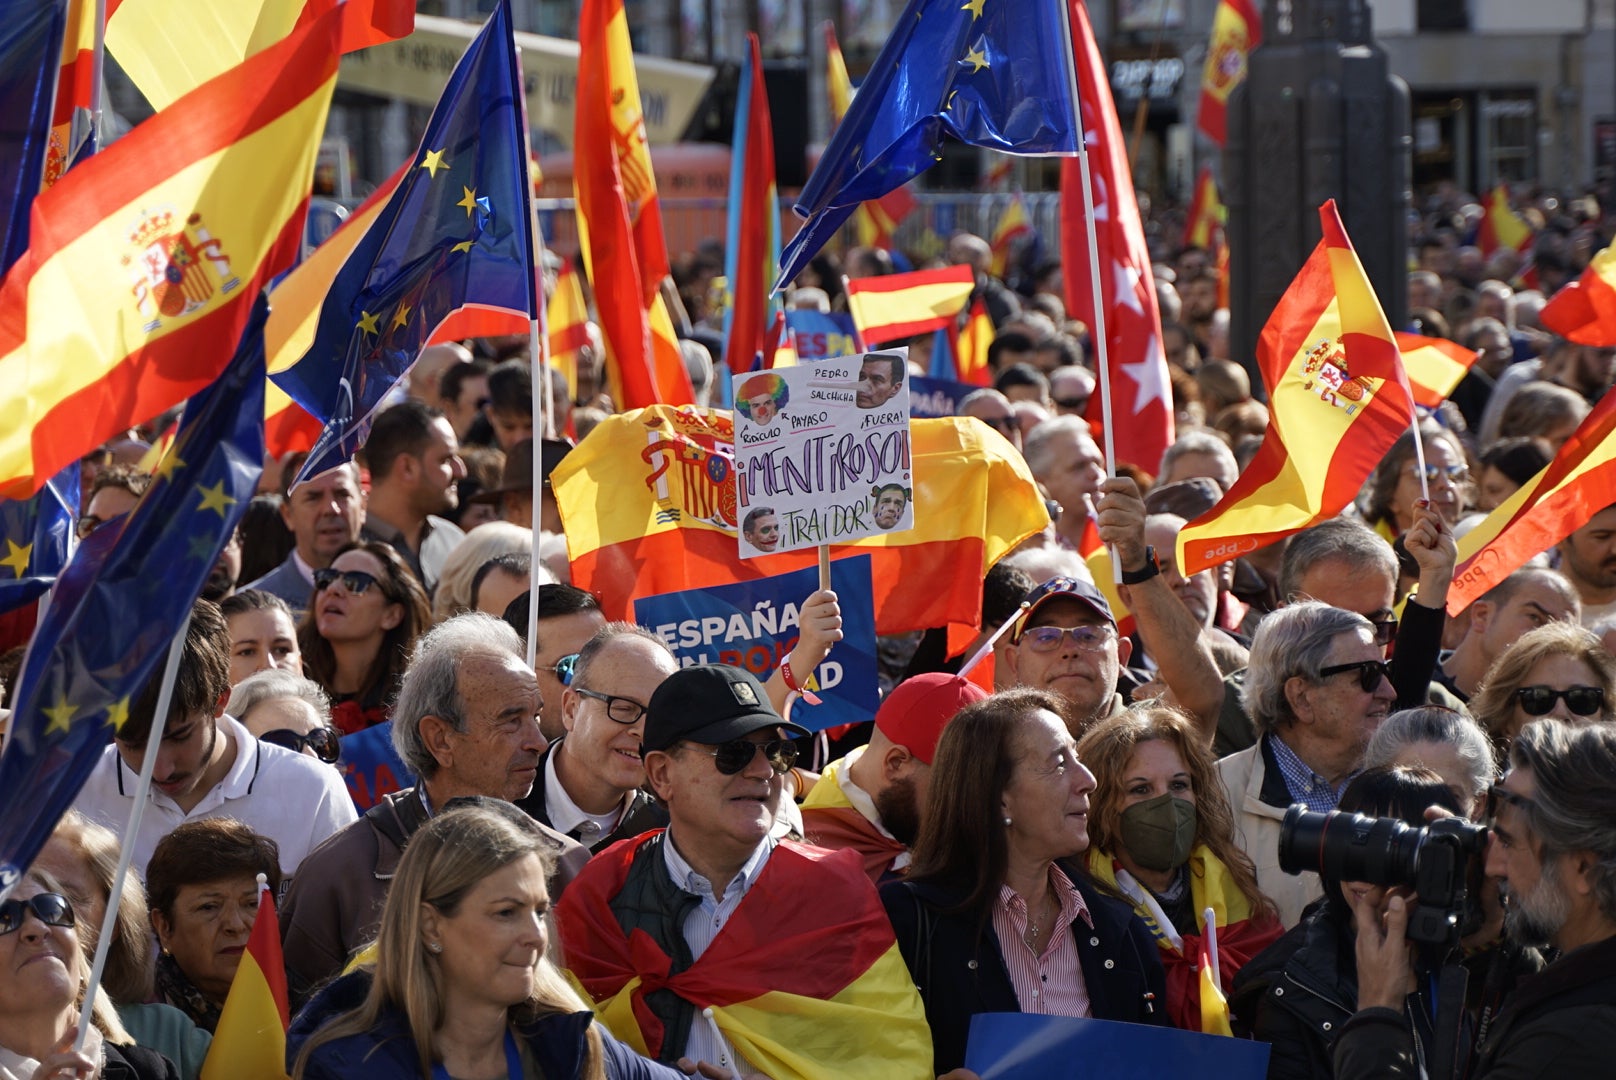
x=1585, y=310
x=1501, y=226
x=1571, y=489
x=804, y=980
x=146, y=258
x=648, y=501
x=896, y=306
x=1236, y=30
x=250, y=1041
x=1338, y=399
x=1434, y=366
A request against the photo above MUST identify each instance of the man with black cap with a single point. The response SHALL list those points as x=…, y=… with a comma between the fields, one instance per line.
x=724, y=919
x=871, y=799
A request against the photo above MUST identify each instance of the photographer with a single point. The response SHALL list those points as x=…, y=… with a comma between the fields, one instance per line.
x=1553, y=850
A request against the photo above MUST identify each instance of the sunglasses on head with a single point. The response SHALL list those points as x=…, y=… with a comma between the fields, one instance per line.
x=1581, y=700
x=52, y=909
x=733, y=756
x=563, y=668
x=324, y=741
x=1370, y=672
x=355, y=581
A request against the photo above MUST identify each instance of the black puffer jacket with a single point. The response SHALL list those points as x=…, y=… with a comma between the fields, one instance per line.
x=1297, y=994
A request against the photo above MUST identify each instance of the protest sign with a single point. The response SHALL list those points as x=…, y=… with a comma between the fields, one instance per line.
x=1028, y=1046
x=752, y=624
x=822, y=453
x=930, y=398
x=371, y=767
x=819, y=335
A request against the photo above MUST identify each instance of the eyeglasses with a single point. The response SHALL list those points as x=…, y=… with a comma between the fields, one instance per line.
x=355, y=581
x=1453, y=474
x=1048, y=638
x=1075, y=404
x=733, y=756
x=621, y=709
x=52, y=909
x=1370, y=672
x=1497, y=794
x=1385, y=631
x=1581, y=700
x=563, y=668
x=324, y=741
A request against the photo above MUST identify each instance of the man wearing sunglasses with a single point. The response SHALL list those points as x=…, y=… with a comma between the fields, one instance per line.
x=993, y=409
x=716, y=904
x=1553, y=849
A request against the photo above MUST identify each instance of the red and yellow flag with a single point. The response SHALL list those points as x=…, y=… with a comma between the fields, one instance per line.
x=648, y=501
x=147, y=258
x=753, y=229
x=1501, y=226
x=971, y=346
x=1571, y=489
x=1585, y=310
x=1338, y=399
x=877, y=220
x=1013, y=223
x=620, y=216
x=1236, y=30
x=70, y=122
x=250, y=1041
x=568, y=319
x=896, y=306
x=1434, y=366
x=1203, y=226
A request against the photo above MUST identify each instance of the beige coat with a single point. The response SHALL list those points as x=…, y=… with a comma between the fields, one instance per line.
x=1256, y=831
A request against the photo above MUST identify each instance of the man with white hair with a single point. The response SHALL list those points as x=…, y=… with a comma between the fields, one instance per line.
x=1063, y=458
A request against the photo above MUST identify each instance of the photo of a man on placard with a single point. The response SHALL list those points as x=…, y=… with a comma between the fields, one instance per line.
x=761, y=528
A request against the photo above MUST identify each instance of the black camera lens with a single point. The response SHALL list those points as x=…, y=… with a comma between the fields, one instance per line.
x=1348, y=847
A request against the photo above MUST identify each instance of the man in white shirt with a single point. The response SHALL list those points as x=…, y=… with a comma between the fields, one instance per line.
x=209, y=765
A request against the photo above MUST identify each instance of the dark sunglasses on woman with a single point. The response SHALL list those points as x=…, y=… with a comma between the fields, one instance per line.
x=355, y=581
x=52, y=909
x=1581, y=700
x=324, y=741
x=733, y=756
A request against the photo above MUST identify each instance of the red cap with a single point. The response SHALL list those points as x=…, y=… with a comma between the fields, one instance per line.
x=916, y=711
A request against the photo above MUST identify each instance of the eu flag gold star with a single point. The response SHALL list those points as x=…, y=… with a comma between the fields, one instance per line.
x=434, y=161
x=403, y=316
x=974, y=7
x=977, y=59
x=464, y=245
x=214, y=498
x=61, y=717
x=367, y=323
x=165, y=468
x=470, y=200
x=17, y=557
x=118, y=714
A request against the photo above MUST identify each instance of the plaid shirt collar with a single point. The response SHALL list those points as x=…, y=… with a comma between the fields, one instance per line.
x=1306, y=786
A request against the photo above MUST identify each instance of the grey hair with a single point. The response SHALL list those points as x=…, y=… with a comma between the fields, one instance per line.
x=1574, y=808
x=1339, y=538
x=1292, y=641
x=609, y=633
x=1434, y=725
x=1036, y=448
x=1198, y=441
x=277, y=684
x=431, y=684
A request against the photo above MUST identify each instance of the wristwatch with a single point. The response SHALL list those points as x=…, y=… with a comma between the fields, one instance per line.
x=1145, y=572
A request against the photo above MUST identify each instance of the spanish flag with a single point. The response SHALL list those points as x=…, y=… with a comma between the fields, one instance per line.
x=1585, y=310
x=620, y=216
x=1434, y=366
x=648, y=501
x=897, y=306
x=1012, y=224
x=146, y=258
x=1501, y=226
x=804, y=980
x=753, y=240
x=971, y=346
x=1206, y=216
x=1236, y=30
x=1338, y=399
x=568, y=325
x=71, y=121
x=250, y=1041
x=877, y=220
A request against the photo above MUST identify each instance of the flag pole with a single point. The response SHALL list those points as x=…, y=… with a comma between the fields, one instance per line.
x=539, y=351
x=97, y=74
x=993, y=639
x=148, y=764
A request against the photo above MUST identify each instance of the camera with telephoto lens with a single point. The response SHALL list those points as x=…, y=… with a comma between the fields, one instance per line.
x=1439, y=861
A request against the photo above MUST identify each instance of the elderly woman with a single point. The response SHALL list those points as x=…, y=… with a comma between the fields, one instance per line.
x=1160, y=832
x=262, y=634
x=1558, y=670
x=366, y=612
x=202, y=888
x=1394, y=486
x=43, y=991
x=284, y=708
x=997, y=913
x=454, y=593
x=460, y=984
x=1448, y=743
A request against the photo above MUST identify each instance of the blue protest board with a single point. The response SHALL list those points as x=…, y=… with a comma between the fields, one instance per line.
x=371, y=767
x=930, y=398
x=752, y=624
x=1027, y=1046
x=819, y=334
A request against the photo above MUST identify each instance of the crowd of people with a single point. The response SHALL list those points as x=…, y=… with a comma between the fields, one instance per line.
x=608, y=865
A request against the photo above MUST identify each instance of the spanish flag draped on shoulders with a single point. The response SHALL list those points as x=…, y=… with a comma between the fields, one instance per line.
x=804, y=980
x=1242, y=934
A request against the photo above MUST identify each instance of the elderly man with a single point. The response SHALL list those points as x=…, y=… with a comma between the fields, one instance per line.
x=1067, y=463
x=590, y=782
x=871, y=800
x=1317, y=689
x=993, y=409
x=1553, y=851
x=1528, y=598
x=723, y=918
x=466, y=723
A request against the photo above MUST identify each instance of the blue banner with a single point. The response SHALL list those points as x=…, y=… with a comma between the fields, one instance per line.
x=930, y=398
x=752, y=624
x=818, y=334
x=371, y=767
x=1013, y=1046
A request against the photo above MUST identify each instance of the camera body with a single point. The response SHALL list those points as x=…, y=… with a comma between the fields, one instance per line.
x=1435, y=860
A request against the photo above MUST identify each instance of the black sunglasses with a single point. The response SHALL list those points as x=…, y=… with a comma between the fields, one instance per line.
x=1370, y=672
x=326, y=742
x=52, y=909
x=733, y=756
x=563, y=668
x=621, y=709
x=355, y=581
x=1385, y=631
x=1581, y=700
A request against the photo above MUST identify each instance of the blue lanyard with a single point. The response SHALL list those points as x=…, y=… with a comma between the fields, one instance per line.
x=513, y=1061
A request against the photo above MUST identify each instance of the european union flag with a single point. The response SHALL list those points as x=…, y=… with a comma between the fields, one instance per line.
x=36, y=538
x=992, y=73
x=121, y=600
x=30, y=49
x=453, y=234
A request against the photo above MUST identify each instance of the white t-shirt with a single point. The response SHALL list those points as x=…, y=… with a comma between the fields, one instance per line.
x=289, y=797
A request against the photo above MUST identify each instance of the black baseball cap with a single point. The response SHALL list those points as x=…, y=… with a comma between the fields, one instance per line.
x=709, y=703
